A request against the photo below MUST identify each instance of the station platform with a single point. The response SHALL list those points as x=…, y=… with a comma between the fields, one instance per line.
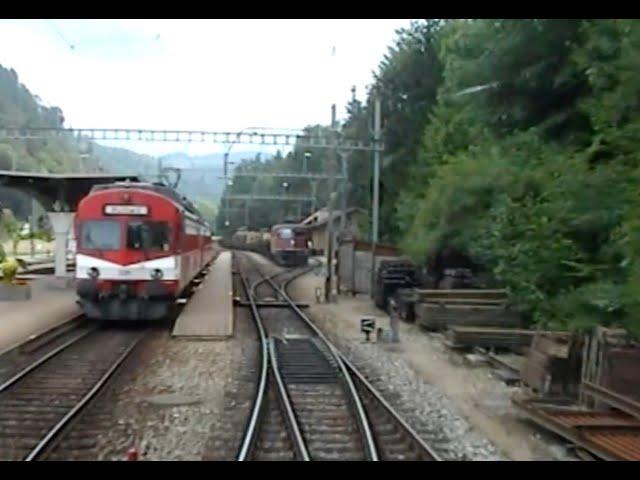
x=209, y=313
x=50, y=306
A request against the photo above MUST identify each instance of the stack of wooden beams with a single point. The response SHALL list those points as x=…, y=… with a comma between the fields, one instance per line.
x=441, y=309
x=490, y=337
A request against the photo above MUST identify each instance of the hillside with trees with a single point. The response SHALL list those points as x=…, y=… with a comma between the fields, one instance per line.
x=65, y=154
x=511, y=142
x=20, y=108
x=265, y=212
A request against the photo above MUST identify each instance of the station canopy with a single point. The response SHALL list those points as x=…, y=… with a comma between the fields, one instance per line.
x=59, y=191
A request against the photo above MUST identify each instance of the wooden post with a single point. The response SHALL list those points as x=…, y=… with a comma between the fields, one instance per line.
x=584, y=366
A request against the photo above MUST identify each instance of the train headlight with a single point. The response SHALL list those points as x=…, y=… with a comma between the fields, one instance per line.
x=156, y=274
x=93, y=272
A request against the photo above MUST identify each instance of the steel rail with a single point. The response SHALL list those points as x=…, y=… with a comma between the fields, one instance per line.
x=46, y=441
x=290, y=417
x=40, y=339
x=24, y=372
x=353, y=370
x=622, y=402
x=388, y=408
x=361, y=416
x=251, y=428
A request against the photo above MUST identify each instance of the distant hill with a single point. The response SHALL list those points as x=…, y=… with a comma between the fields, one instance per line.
x=20, y=108
x=201, y=175
x=211, y=160
x=121, y=160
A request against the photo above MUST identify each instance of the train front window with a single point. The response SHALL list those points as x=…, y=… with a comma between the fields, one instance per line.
x=100, y=235
x=286, y=233
x=146, y=235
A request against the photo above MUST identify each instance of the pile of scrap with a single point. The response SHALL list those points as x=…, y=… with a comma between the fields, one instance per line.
x=606, y=434
x=612, y=359
x=553, y=363
x=605, y=419
x=442, y=309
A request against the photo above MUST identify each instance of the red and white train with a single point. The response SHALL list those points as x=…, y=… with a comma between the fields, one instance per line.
x=290, y=244
x=138, y=247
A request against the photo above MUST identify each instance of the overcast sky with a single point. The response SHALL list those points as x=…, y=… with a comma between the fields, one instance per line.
x=195, y=74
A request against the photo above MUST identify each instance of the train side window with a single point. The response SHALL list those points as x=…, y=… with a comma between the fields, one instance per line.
x=148, y=236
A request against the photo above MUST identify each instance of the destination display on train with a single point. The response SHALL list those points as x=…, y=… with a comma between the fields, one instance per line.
x=126, y=209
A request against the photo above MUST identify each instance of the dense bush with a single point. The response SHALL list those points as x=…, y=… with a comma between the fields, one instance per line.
x=535, y=177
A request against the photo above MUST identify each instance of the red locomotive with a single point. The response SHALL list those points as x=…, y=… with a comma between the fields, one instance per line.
x=138, y=247
x=290, y=244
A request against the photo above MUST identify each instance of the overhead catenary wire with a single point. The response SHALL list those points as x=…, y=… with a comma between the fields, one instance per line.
x=71, y=46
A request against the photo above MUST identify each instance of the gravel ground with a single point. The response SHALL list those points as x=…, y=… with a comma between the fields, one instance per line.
x=465, y=413
x=162, y=403
x=426, y=408
x=189, y=400
x=430, y=411
x=173, y=399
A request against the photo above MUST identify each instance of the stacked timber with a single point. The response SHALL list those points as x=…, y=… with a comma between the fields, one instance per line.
x=442, y=309
x=391, y=276
x=552, y=366
x=490, y=337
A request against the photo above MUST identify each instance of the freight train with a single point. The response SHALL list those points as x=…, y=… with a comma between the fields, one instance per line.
x=139, y=245
x=247, y=237
x=290, y=244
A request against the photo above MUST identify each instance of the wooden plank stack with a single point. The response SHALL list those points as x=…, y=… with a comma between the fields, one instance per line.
x=442, y=309
x=391, y=276
x=552, y=366
x=489, y=337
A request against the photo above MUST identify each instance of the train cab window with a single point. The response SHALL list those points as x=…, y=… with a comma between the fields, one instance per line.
x=285, y=233
x=148, y=236
x=100, y=235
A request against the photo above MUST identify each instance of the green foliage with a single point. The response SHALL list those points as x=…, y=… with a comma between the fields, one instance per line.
x=265, y=213
x=535, y=177
x=20, y=108
x=208, y=210
x=512, y=141
x=407, y=82
x=12, y=228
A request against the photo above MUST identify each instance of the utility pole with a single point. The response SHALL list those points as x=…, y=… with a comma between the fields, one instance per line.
x=332, y=196
x=306, y=157
x=314, y=195
x=32, y=226
x=376, y=188
x=344, y=206
x=345, y=190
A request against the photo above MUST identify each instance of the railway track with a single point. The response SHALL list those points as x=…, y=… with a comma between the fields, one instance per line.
x=311, y=403
x=41, y=400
